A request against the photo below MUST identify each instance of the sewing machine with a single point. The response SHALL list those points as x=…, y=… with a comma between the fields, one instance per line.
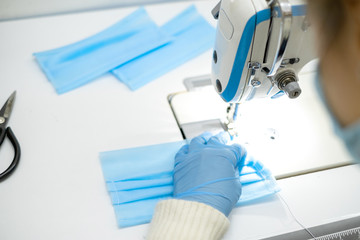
x=261, y=47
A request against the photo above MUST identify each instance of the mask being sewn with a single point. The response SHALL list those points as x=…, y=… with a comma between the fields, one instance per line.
x=137, y=178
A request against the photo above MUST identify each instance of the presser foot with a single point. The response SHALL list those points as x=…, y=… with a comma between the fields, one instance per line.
x=231, y=116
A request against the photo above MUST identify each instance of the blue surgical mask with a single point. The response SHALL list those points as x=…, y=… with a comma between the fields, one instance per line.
x=135, y=50
x=192, y=34
x=76, y=64
x=137, y=178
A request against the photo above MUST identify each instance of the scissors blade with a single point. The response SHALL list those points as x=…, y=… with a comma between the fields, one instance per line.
x=7, y=108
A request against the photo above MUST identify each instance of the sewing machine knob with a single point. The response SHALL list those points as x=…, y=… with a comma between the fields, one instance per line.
x=287, y=81
x=292, y=89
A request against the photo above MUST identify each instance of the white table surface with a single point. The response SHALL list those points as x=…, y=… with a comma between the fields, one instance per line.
x=58, y=190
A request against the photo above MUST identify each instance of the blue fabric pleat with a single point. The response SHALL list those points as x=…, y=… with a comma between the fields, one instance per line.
x=135, y=50
x=192, y=34
x=137, y=178
x=76, y=64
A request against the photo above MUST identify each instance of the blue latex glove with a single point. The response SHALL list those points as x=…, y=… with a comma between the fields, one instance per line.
x=206, y=171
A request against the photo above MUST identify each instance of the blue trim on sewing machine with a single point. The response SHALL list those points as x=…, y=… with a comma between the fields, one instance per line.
x=230, y=91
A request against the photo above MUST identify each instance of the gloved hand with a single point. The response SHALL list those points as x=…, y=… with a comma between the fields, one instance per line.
x=206, y=171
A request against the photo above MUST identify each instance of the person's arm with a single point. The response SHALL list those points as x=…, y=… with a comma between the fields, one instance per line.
x=206, y=188
x=180, y=219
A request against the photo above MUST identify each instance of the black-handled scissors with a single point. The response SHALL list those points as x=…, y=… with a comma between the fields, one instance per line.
x=4, y=119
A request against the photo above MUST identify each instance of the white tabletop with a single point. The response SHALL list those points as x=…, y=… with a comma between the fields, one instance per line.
x=58, y=190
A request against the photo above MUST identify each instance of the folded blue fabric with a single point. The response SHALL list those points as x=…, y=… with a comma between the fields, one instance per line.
x=73, y=65
x=137, y=178
x=192, y=34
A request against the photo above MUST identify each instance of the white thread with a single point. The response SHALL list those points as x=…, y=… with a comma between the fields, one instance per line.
x=296, y=220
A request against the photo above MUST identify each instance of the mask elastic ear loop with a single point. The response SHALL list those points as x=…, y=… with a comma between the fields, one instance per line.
x=296, y=220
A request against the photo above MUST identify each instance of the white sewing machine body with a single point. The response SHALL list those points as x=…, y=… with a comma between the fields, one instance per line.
x=260, y=48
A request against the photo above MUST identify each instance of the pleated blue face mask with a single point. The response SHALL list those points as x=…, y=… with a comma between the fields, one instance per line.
x=78, y=63
x=138, y=178
x=192, y=34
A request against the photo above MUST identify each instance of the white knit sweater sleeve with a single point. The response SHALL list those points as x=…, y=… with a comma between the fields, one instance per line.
x=179, y=219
